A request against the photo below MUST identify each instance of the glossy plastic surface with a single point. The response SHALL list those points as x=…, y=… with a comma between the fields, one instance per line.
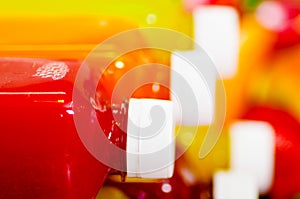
x=41, y=153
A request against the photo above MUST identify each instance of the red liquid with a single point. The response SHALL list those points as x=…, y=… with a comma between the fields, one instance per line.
x=287, y=161
x=41, y=153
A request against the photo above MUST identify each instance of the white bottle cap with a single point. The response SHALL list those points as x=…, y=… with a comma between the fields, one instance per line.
x=252, y=150
x=234, y=185
x=150, y=138
x=193, y=79
x=216, y=30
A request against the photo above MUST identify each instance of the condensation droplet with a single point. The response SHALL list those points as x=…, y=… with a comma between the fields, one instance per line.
x=54, y=70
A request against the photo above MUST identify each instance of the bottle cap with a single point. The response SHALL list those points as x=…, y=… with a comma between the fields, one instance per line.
x=150, y=138
x=234, y=185
x=216, y=30
x=193, y=79
x=252, y=150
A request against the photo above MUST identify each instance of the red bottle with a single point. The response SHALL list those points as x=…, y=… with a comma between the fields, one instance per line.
x=287, y=141
x=42, y=155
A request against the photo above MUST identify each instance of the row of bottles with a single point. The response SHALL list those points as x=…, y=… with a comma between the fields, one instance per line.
x=44, y=155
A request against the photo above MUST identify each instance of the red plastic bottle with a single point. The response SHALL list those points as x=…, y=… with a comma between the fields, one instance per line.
x=287, y=141
x=42, y=155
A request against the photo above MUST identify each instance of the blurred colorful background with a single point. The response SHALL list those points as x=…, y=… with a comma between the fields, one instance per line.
x=264, y=86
